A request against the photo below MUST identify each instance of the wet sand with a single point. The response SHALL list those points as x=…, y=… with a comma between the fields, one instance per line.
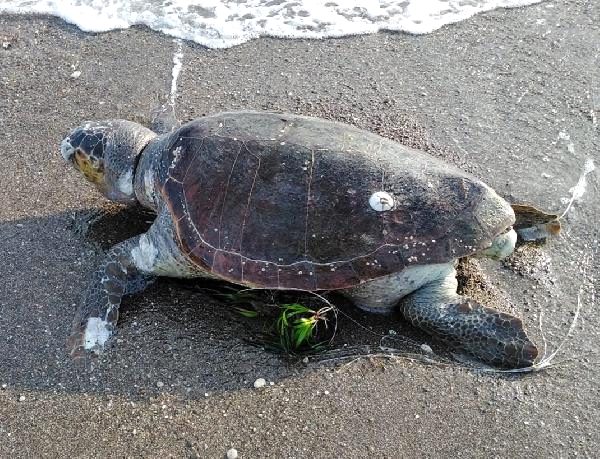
x=511, y=96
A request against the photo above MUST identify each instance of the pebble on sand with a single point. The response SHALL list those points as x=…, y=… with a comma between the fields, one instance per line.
x=22, y=398
x=260, y=382
x=232, y=453
x=426, y=348
x=76, y=74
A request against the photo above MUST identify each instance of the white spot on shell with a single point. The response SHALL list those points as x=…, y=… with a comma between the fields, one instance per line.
x=96, y=333
x=381, y=201
x=144, y=254
x=176, y=154
x=125, y=183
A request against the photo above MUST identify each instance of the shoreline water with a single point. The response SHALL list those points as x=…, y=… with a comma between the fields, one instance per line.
x=225, y=24
x=497, y=95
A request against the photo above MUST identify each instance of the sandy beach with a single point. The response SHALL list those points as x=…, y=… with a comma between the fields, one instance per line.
x=512, y=96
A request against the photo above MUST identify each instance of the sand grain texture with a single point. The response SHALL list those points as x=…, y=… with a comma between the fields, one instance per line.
x=491, y=95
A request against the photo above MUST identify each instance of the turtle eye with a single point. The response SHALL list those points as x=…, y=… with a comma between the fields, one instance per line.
x=80, y=160
x=95, y=162
x=85, y=161
x=92, y=168
x=78, y=156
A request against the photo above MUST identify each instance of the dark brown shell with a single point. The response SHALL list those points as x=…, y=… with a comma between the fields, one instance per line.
x=282, y=201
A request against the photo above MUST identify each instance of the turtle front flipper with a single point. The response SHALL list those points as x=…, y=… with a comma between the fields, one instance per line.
x=96, y=319
x=492, y=336
x=129, y=267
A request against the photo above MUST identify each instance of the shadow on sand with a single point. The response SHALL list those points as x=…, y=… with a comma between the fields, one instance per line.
x=175, y=337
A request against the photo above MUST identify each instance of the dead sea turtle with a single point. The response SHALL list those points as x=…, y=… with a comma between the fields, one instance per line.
x=290, y=202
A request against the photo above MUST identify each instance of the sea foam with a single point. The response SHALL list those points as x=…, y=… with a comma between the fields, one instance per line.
x=225, y=23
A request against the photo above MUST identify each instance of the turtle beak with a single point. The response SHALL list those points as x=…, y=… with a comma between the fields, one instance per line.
x=66, y=149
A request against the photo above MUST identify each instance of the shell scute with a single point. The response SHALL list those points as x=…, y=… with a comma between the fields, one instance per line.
x=202, y=253
x=228, y=265
x=261, y=273
x=335, y=275
x=300, y=275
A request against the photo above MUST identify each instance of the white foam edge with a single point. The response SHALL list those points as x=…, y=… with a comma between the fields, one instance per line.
x=422, y=17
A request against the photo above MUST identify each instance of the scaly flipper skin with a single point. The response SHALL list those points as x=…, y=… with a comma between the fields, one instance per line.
x=129, y=267
x=96, y=319
x=490, y=335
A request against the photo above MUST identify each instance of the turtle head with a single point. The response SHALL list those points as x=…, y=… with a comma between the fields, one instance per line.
x=106, y=154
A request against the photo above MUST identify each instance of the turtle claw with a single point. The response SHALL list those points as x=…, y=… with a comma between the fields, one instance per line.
x=75, y=345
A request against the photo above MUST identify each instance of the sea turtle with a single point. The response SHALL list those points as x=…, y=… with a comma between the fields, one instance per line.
x=282, y=201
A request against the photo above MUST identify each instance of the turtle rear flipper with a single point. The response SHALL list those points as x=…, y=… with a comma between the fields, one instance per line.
x=492, y=336
x=534, y=225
